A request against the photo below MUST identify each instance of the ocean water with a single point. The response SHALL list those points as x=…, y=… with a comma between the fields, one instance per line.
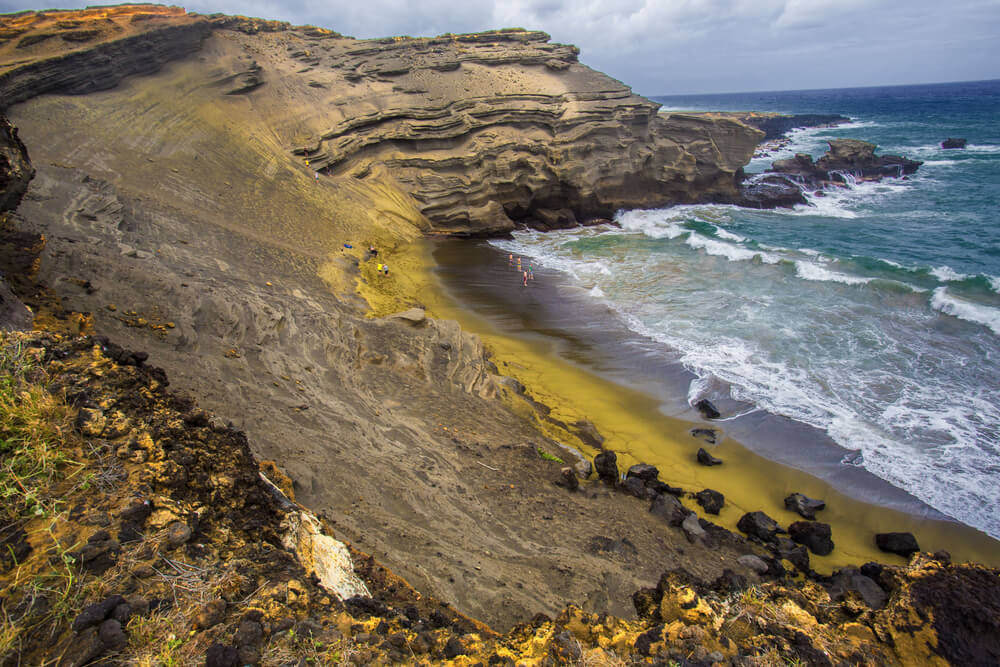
x=872, y=314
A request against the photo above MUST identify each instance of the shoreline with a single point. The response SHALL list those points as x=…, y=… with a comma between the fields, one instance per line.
x=565, y=365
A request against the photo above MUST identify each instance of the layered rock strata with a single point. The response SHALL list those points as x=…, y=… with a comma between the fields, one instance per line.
x=484, y=131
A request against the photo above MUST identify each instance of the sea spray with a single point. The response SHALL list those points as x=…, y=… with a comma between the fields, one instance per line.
x=872, y=314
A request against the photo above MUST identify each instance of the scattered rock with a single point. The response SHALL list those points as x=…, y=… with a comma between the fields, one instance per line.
x=210, y=615
x=453, y=648
x=178, y=533
x=707, y=410
x=707, y=459
x=97, y=613
x=752, y=562
x=100, y=553
x=218, y=655
x=709, y=435
x=712, y=501
x=622, y=547
x=904, y=544
x=112, y=636
x=583, y=468
x=636, y=487
x=83, y=650
x=606, y=465
x=804, y=505
x=954, y=143
x=692, y=529
x=668, y=508
x=796, y=554
x=663, y=487
x=850, y=580
x=644, y=472
x=568, y=479
x=759, y=525
x=815, y=535
x=91, y=422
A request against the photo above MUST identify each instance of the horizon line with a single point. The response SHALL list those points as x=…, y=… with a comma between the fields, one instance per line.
x=813, y=90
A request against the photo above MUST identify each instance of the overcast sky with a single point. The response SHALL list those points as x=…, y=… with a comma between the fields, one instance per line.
x=672, y=47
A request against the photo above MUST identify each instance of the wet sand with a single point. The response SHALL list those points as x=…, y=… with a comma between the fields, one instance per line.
x=574, y=356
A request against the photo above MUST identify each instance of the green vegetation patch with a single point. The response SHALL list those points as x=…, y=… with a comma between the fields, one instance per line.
x=548, y=457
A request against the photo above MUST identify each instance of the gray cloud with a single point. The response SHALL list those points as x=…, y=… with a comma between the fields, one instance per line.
x=691, y=46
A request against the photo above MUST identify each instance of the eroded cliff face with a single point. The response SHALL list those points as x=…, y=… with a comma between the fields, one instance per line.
x=491, y=129
x=483, y=130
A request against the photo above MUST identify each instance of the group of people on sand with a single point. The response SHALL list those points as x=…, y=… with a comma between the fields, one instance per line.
x=382, y=268
x=526, y=273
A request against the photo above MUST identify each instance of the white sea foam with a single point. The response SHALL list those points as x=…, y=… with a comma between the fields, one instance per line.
x=727, y=235
x=948, y=304
x=734, y=253
x=810, y=271
x=655, y=223
x=939, y=163
x=913, y=421
x=947, y=274
x=982, y=148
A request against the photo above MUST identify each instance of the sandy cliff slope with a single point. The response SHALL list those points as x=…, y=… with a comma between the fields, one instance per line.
x=179, y=211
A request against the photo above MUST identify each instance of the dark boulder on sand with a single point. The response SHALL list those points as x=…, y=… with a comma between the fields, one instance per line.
x=663, y=487
x=904, y=544
x=669, y=509
x=711, y=500
x=709, y=435
x=606, y=465
x=759, y=525
x=804, y=505
x=813, y=534
x=644, y=472
x=707, y=459
x=707, y=410
x=954, y=143
x=796, y=554
x=636, y=487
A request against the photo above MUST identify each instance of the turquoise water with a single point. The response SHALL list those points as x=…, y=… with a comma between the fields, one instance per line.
x=873, y=314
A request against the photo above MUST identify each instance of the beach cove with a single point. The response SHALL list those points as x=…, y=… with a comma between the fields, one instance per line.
x=577, y=367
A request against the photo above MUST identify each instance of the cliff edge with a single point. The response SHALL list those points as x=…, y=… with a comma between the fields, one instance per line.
x=483, y=131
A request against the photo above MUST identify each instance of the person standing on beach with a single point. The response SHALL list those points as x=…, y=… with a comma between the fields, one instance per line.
x=510, y=259
x=525, y=283
x=531, y=274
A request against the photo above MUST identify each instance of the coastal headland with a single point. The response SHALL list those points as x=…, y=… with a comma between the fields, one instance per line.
x=206, y=191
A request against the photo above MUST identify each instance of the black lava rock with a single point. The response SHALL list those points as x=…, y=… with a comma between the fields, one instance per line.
x=759, y=525
x=643, y=471
x=804, y=505
x=668, y=508
x=711, y=500
x=707, y=410
x=606, y=465
x=904, y=544
x=707, y=459
x=97, y=613
x=814, y=535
